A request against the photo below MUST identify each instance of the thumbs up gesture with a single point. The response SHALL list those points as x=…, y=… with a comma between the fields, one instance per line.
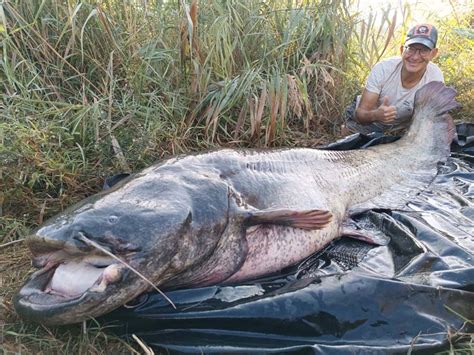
x=386, y=113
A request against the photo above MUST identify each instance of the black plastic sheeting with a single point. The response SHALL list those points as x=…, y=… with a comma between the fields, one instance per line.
x=351, y=297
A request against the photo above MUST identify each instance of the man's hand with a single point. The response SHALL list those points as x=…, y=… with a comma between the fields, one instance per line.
x=368, y=112
x=385, y=113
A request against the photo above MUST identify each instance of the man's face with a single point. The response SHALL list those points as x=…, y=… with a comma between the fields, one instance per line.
x=416, y=57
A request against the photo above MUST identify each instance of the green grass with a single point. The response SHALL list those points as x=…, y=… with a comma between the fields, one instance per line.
x=90, y=89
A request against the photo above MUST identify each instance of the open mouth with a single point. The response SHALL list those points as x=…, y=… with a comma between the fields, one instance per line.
x=74, y=277
x=70, y=279
x=69, y=288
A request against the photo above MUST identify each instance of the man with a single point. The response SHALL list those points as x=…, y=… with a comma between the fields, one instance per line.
x=386, y=104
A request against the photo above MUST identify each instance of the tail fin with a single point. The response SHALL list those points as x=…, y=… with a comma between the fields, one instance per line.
x=437, y=97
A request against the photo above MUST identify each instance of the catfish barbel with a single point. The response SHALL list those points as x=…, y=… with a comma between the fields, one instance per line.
x=223, y=217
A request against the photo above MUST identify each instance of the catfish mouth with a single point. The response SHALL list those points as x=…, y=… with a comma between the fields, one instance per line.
x=70, y=279
x=64, y=282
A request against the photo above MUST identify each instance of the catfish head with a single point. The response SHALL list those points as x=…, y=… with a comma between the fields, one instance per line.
x=110, y=248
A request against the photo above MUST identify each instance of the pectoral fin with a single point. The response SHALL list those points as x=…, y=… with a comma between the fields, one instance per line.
x=308, y=219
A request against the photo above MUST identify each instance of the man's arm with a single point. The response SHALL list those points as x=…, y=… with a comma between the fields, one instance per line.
x=368, y=112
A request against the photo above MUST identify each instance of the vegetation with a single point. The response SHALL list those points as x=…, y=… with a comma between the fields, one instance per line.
x=90, y=89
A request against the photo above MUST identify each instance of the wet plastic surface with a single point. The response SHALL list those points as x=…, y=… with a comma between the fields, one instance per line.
x=351, y=297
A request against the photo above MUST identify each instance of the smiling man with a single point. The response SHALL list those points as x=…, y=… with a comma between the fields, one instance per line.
x=386, y=104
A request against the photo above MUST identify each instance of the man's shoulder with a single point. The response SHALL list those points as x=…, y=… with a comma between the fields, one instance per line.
x=386, y=68
x=389, y=63
x=434, y=73
x=434, y=67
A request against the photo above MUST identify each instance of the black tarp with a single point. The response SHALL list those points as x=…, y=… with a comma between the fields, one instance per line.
x=415, y=294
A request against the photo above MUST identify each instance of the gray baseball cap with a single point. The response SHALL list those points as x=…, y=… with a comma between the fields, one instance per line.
x=424, y=34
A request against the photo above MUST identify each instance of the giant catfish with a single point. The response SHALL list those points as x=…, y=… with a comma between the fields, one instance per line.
x=223, y=217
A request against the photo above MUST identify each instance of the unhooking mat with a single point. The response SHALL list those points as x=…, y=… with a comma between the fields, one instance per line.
x=415, y=294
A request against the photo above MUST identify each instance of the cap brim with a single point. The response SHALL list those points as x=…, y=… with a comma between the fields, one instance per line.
x=424, y=41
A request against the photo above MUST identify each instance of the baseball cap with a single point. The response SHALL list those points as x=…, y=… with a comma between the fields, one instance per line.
x=424, y=33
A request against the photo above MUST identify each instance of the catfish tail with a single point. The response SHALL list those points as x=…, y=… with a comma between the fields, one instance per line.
x=431, y=125
x=437, y=97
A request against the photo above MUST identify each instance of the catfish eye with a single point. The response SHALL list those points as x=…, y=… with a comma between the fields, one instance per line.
x=113, y=219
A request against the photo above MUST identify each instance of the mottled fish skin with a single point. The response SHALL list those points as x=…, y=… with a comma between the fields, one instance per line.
x=223, y=216
x=304, y=179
